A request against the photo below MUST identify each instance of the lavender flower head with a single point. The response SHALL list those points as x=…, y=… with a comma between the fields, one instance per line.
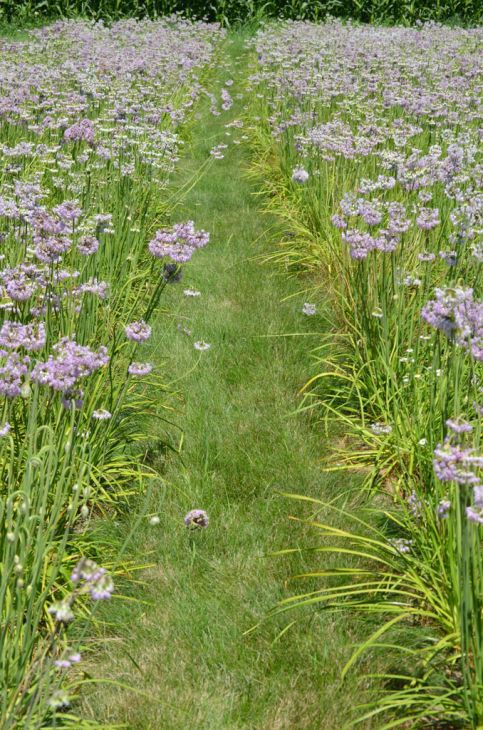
x=196, y=518
x=139, y=368
x=5, y=429
x=13, y=369
x=14, y=335
x=459, y=426
x=138, y=331
x=68, y=660
x=69, y=362
x=455, y=312
x=179, y=242
x=81, y=130
x=475, y=512
x=88, y=245
x=428, y=218
x=443, y=509
x=453, y=463
x=22, y=281
x=68, y=211
x=300, y=175
x=90, y=577
x=61, y=611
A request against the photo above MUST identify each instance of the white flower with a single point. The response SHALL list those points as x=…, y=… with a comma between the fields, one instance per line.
x=154, y=520
x=309, y=309
x=101, y=415
x=380, y=428
x=191, y=293
x=4, y=429
x=62, y=611
x=201, y=345
x=300, y=175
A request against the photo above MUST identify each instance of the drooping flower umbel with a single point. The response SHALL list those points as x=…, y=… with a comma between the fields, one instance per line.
x=179, y=242
x=69, y=363
x=455, y=312
x=196, y=518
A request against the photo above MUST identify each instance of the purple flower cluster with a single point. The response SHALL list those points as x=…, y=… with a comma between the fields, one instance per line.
x=226, y=100
x=14, y=335
x=21, y=282
x=90, y=577
x=196, y=518
x=455, y=312
x=140, y=368
x=392, y=216
x=179, y=242
x=13, y=369
x=389, y=120
x=83, y=130
x=68, y=660
x=88, y=245
x=5, y=429
x=475, y=512
x=428, y=218
x=101, y=415
x=98, y=288
x=361, y=243
x=356, y=80
x=87, y=578
x=138, y=331
x=300, y=175
x=69, y=363
x=454, y=463
x=443, y=509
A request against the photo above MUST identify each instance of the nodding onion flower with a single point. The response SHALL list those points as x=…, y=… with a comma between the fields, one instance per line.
x=196, y=518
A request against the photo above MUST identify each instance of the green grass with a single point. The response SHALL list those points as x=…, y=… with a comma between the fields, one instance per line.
x=181, y=646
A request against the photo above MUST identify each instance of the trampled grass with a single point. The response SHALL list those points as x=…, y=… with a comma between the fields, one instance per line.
x=185, y=648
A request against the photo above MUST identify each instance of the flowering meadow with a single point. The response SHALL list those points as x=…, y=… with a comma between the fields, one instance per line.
x=369, y=143
x=126, y=148
x=90, y=121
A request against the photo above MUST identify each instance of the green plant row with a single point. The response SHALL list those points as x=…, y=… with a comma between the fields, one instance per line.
x=87, y=155
x=364, y=181
x=231, y=12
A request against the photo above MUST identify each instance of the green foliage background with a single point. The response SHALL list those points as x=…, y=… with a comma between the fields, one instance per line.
x=232, y=12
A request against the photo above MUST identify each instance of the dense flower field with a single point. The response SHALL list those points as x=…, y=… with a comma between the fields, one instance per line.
x=367, y=139
x=89, y=135
x=374, y=133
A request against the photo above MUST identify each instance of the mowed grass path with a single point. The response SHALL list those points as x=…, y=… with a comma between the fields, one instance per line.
x=182, y=645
